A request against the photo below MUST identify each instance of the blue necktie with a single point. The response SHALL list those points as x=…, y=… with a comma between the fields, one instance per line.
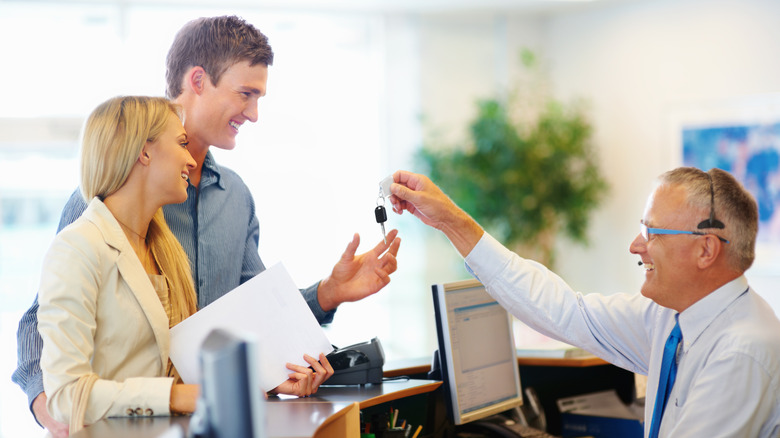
x=666, y=378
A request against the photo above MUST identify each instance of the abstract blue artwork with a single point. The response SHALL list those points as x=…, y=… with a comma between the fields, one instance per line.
x=751, y=152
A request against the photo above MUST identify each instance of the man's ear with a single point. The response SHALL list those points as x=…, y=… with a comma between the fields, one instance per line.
x=709, y=250
x=196, y=79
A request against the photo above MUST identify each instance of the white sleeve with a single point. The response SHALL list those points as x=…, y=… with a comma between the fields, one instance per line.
x=612, y=327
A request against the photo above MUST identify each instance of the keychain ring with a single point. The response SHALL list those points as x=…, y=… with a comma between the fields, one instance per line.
x=380, y=197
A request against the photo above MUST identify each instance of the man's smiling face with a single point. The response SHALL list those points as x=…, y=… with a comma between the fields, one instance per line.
x=223, y=108
x=669, y=260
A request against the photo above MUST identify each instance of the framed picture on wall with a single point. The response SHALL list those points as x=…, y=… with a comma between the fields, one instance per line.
x=741, y=136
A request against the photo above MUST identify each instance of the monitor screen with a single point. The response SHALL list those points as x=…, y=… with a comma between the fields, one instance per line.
x=476, y=352
x=231, y=404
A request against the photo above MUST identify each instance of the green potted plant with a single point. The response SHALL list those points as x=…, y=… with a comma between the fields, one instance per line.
x=528, y=170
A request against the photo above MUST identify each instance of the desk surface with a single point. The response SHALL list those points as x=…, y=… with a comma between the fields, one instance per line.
x=365, y=395
x=293, y=417
x=407, y=367
x=286, y=417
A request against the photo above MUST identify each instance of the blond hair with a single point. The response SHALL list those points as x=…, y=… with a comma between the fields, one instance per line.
x=112, y=139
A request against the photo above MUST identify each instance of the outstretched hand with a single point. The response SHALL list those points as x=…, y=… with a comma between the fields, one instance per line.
x=304, y=381
x=356, y=277
x=418, y=195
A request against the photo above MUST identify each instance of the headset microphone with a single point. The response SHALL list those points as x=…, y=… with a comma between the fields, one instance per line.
x=639, y=263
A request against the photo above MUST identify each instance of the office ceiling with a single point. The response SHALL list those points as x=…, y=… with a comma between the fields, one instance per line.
x=421, y=6
x=386, y=6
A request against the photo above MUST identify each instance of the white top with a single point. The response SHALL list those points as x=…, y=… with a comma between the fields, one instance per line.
x=728, y=378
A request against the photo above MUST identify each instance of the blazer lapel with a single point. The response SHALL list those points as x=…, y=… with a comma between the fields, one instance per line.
x=138, y=280
x=134, y=275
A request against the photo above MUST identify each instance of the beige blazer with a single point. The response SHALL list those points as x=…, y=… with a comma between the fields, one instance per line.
x=99, y=313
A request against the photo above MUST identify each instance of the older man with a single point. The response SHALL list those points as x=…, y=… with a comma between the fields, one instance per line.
x=709, y=344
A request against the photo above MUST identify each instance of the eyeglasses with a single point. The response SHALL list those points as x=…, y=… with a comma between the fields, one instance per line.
x=647, y=231
x=710, y=222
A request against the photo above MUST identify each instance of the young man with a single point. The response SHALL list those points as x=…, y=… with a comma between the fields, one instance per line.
x=217, y=70
x=697, y=239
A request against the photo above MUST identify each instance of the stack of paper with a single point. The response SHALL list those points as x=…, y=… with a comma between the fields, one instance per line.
x=530, y=343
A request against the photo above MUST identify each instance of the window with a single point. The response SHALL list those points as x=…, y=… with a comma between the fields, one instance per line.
x=312, y=162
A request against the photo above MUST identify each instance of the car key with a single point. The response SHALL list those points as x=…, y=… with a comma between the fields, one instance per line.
x=381, y=218
x=379, y=212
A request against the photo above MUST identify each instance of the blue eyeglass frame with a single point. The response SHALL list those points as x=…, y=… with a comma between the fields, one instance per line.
x=710, y=222
x=647, y=231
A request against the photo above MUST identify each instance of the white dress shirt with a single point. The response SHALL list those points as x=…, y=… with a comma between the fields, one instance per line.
x=728, y=378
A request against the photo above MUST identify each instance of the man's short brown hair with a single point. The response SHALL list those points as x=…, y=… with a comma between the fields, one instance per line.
x=214, y=43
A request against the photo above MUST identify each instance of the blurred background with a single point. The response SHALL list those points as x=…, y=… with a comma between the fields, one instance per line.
x=356, y=89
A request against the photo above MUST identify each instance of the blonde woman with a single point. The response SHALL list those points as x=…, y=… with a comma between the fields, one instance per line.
x=116, y=280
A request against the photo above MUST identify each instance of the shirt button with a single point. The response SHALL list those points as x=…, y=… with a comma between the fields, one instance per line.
x=149, y=412
x=139, y=411
x=130, y=412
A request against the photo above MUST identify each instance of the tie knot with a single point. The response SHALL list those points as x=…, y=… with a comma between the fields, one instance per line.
x=675, y=335
x=676, y=330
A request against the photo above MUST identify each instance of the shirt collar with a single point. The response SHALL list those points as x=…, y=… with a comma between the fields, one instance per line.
x=696, y=318
x=211, y=173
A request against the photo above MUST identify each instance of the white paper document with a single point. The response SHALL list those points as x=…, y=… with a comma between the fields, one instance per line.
x=268, y=308
x=601, y=404
x=531, y=343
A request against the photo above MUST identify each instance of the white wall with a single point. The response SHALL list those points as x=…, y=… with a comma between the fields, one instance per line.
x=638, y=63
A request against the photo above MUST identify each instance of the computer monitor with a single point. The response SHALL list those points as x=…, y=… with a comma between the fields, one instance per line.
x=231, y=404
x=476, y=352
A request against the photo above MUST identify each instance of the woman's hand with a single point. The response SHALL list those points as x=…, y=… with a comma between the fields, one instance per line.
x=184, y=398
x=304, y=381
